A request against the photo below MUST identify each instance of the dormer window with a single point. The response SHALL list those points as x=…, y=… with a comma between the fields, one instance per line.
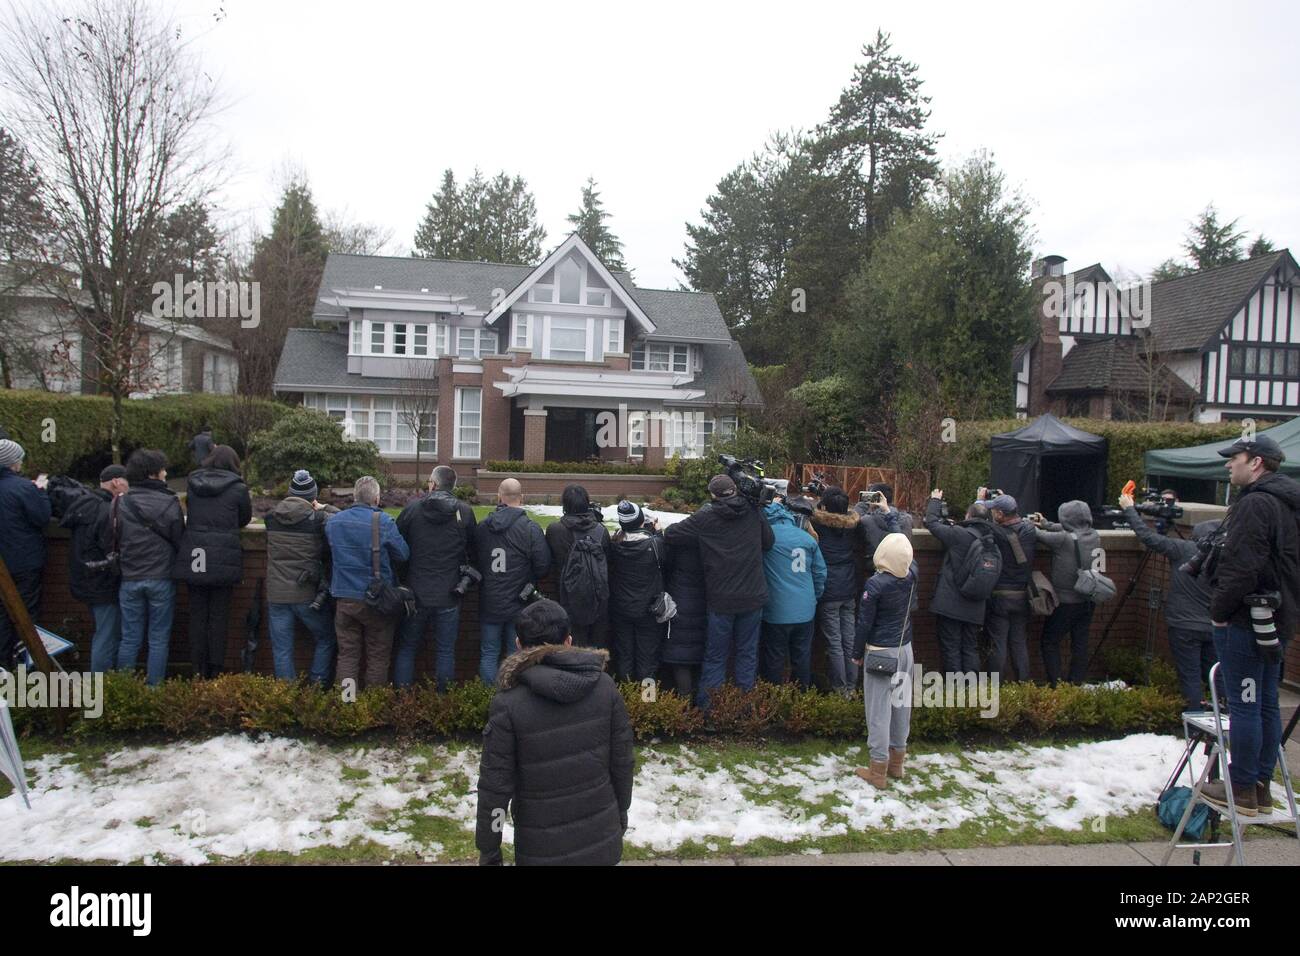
x=660, y=357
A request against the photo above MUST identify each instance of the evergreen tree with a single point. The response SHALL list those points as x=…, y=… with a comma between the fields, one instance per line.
x=1211, y=243
x=440, y=232
x=589, y=223
x=1261, y=246
x=482, y=221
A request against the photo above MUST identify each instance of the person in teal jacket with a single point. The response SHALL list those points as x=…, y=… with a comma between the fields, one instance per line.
x=796, y=577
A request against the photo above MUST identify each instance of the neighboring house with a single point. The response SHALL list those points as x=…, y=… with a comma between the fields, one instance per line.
x=44, y=347
x=500, y=362
x=1218, y=344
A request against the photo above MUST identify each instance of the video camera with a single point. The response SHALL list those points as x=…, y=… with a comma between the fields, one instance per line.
x=747, y=473
x=1162, y=509
x=469, y=577
x=817, y=487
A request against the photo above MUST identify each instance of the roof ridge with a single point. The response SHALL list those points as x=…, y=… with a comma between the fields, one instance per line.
x=408, y=258
x=1220, y=268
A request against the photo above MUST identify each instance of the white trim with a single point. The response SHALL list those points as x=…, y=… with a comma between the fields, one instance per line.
x=458, y=449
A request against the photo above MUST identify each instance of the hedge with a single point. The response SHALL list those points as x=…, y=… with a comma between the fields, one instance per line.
x=575, y=467
x=965, y=464
x=251, y=702
x=83, y=425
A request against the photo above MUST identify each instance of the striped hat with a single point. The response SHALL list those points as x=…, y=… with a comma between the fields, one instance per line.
x=303, y=485
x=11, y=453
x=630, y=515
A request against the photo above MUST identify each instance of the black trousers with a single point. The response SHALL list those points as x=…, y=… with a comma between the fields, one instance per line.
x=209, y=621
x=595, y=634
x=638, y=642
x=1074, y=619
x=28, y=584
x=959, y=646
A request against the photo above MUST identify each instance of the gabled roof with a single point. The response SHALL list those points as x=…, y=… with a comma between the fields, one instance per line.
x=1188, y=312
x=317, y=359
x=572, y=244
x=1112, y=365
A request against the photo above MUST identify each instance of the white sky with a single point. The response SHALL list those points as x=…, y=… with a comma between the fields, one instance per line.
x=1120, y=124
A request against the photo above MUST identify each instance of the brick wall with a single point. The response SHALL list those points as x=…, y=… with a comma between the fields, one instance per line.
x=66, y=616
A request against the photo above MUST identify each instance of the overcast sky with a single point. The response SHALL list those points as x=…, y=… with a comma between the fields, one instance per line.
x=1119, y=124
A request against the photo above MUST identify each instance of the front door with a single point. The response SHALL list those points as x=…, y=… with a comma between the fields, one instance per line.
x=570, y=434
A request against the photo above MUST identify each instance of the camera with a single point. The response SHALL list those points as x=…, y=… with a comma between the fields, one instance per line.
x=1262, y=604
x=1165, y=512
x=469, y=577
x=322, y=595
x=315, y=576
x=817, y=487
x=1207, y=553
x=990, y=492
x=747, y=473
x=529, y=593
x=872, y=497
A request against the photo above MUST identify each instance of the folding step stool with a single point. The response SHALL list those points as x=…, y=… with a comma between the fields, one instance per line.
x=1213, y=727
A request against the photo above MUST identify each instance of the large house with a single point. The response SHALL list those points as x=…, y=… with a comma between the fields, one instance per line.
x=1223, y=343
x=561, y=361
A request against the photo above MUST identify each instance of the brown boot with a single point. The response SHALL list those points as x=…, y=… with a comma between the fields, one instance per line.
x=896, y=762
x=1263, y=797
x=1244, y=797
x=875, y=774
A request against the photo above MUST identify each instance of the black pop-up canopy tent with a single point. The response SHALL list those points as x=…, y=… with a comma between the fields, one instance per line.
x=1047, y=462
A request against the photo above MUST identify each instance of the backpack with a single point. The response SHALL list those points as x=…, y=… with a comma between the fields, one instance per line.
x=980, y=567
x=585, y=580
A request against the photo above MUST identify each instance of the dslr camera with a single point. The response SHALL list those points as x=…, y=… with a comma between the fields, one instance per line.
x=315, y=576
x=469, y=577
x=529, y=593
x=747, y=473
x=1207, y=554
x=817, y=487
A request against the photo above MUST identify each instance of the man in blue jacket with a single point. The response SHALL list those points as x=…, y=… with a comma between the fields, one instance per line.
x=24, y=513
x=356, y=624
x=796, y=577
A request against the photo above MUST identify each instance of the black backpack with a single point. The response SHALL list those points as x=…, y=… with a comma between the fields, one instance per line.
x=585, y=579
x=980, y=567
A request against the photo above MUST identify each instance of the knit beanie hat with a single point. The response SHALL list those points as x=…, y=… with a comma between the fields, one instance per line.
x=11, y=453
x=630, y=515
x=303, y=485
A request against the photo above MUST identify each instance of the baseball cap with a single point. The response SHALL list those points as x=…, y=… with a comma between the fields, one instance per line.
x=1004, y=503
x=1260, y=446
x=111, y=472
x=721, y=486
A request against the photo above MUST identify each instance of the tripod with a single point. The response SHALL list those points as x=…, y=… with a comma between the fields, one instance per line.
x=1153, y=603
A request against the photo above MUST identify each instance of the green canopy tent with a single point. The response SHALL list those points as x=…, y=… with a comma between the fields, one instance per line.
x=1204, y=463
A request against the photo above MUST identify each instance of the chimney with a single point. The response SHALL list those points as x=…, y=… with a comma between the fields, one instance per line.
x=1046, y=356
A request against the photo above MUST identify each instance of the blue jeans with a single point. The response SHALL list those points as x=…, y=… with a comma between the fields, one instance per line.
x=496, y=643
x=320, y=624
x=108, y=635
x=726, y=631
x=1256, y=722
x=147, y=608
x=446, y=625
x=787, y=641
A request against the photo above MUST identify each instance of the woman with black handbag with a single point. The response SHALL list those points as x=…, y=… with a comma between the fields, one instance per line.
x=883, y=649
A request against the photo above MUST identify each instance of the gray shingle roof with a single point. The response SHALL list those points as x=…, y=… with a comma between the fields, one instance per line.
x=1186, y=312
x=1111, y=364
x=318, y=359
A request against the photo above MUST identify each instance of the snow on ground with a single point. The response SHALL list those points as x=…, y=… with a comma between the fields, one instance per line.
x=233, y=795
x=610, y=513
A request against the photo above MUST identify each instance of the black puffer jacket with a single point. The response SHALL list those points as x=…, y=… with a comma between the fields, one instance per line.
x=1261, y=552
x=1188, y=603
x=217, y=506
x=732, y=535
x=560, y=536
x=86, y=516
x=558, y=745
x=297, y=557
x=635, y=581
x=840, y=537
x=149, y=530
x=957, y=540
x=689, y=627
x=512, y=552
x=440, y=532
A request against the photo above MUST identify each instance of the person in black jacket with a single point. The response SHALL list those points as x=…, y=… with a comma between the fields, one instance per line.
x=1187, y=607
x=439, y=530
x=147, y=525
x=841, y=535
x=732, y=535
x=636, y=579
x=558, y=745
x=683, y=648
x=24, y=513
x=210, y=559
x=958, y=618
x=1260, y=556
x=589, y=625
x=86, y=516
x=512, y=555
x=1007, y=616
x=201, y=445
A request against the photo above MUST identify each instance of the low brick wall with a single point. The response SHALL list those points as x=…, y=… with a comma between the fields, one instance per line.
x=65, y=615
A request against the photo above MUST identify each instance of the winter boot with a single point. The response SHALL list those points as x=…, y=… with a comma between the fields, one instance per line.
x=896, y=762
x=1243, y=796
x=1263, y=796
x=875, y=774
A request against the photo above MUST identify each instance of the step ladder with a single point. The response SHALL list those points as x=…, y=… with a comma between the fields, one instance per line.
x=1213, y=728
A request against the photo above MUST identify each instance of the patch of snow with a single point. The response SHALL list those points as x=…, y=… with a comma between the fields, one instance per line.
x=610, y=514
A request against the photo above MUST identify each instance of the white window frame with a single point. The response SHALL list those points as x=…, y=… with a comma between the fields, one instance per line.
x=459, y=447
x=550, y=347
x=521, y=323
x=613, y=336
x=355, y=337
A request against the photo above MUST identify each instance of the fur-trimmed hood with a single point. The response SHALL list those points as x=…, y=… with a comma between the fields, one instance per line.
x=560, y=672
x=831, y=519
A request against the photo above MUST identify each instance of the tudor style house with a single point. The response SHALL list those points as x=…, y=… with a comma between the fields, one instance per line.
x=501, y=362
x=1223, y=343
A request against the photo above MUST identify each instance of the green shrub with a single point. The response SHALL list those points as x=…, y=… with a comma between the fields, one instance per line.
x=465, y=492
x=82, y=427
x=308, y=438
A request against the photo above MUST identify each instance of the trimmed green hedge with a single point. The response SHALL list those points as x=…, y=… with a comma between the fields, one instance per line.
x=250, y=702
x=83, y=423
x=965, y=464
x=575, y=467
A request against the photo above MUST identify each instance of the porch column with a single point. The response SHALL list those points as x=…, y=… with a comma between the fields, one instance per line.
x=656, y=436
x=534, y=435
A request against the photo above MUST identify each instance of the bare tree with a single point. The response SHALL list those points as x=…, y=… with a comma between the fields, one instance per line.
x=113, y=108
x=417, y=402
x=346, y=235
